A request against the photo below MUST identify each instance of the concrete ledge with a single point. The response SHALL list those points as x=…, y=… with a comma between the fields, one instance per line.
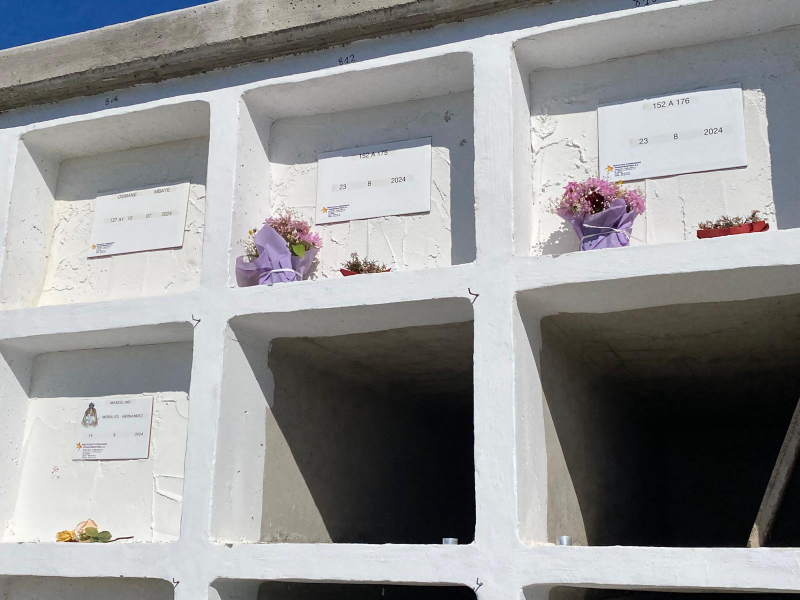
x=211, y=36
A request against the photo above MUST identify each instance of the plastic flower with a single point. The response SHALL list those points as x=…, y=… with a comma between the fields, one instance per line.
x=595, y=195
x=66, y=536
x=295, y=231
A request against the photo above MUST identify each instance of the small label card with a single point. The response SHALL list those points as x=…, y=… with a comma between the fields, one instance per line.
x=673, y=135
x=374, y=181
x=117, y=429
x=148, y=219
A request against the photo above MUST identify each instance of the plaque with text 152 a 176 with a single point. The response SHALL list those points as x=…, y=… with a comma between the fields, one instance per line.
x=374, y=181
x=672, y=135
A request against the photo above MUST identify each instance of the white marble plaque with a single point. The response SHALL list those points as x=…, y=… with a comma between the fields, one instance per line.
x=139, y=220
x=374, y=181
x=114, y=429
x=673, y=135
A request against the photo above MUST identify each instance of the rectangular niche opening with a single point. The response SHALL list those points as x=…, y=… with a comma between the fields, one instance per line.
x=227, y=589
x=46, y=384
x=79, y=588
x=580, y=593
x=343, y=433
x=559, y=92
x=284, y=127
x=60, y=171
x=662, y=425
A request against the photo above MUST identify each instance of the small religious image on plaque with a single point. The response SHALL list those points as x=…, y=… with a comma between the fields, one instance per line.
x=115, y=429
x=90, y=416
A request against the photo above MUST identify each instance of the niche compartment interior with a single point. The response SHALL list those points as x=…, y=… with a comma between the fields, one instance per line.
x=562, y=80
x=80, y=588
x=348, y=426
x=662, y=424
x=585, y=593
x=243, y=589
x=46, y=383
x=59, y=172
x=284, y=126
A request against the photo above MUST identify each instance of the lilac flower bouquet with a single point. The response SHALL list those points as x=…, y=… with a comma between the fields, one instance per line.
x=600, y=212
x=282, y=250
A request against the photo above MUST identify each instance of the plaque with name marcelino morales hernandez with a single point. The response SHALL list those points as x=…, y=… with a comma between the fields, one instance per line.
x=114, y=429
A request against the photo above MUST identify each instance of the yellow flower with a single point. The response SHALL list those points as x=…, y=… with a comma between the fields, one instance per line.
x=66, y=536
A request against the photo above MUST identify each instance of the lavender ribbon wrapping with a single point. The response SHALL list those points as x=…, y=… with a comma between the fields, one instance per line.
x=610, y=228
x=275, y=262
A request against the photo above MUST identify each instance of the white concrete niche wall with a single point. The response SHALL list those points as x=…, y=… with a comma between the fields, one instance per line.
x=77, y=588
x=568, y=83
x=59, y=172
x=347, y=425
x=46, y=383
x=237, y=589
x=283, y=128
x=656, y=407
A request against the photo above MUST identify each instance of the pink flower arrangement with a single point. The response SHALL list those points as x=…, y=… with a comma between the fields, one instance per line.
x=596, y=195
x=295, y=231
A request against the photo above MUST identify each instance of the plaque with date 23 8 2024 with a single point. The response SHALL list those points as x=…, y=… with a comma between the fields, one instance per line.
x=374, y=181
x=672, y=135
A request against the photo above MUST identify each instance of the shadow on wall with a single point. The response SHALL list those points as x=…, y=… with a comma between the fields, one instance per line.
x=366, y=442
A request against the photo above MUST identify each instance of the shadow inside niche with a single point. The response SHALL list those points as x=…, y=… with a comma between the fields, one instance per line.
x=280, y=590
x=370, y=437
x=560, y=242
x=665, y=423
x=784, y=149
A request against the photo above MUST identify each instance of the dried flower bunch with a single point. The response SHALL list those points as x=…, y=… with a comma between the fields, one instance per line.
x=357, y=265
x=725, y=221
x=596, y=195
x=87, y=533
x=291, y=228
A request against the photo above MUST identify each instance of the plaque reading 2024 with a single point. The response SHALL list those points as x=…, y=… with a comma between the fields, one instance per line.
x=672, y=135
x=374, y=181
x=139, y=220
x=114, y=429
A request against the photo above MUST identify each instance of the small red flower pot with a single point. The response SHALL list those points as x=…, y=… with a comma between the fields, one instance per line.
x=347, y=273
x=746, y=228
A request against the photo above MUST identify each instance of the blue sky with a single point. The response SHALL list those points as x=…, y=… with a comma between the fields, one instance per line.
x=28, y=21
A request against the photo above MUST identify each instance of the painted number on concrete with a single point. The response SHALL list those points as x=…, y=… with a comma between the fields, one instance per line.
x=346, y=60
x=112, y=100
x=644, y=2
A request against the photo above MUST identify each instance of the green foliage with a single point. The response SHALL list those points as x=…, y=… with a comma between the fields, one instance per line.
x=356, y=265
x=725, y=221
x=90, y=534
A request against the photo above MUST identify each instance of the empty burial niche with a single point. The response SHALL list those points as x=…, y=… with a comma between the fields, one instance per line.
x=46, y=395
x=280, y=590
x=577, y=593
x=666, y=422
x=76, y=588
x=61, y=175
x=360, y=438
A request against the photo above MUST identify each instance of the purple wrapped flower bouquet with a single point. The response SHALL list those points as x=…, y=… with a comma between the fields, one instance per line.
x=600, y=212
x=282, y=250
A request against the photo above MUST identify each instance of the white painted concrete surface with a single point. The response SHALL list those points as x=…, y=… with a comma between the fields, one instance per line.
x=508, y=70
